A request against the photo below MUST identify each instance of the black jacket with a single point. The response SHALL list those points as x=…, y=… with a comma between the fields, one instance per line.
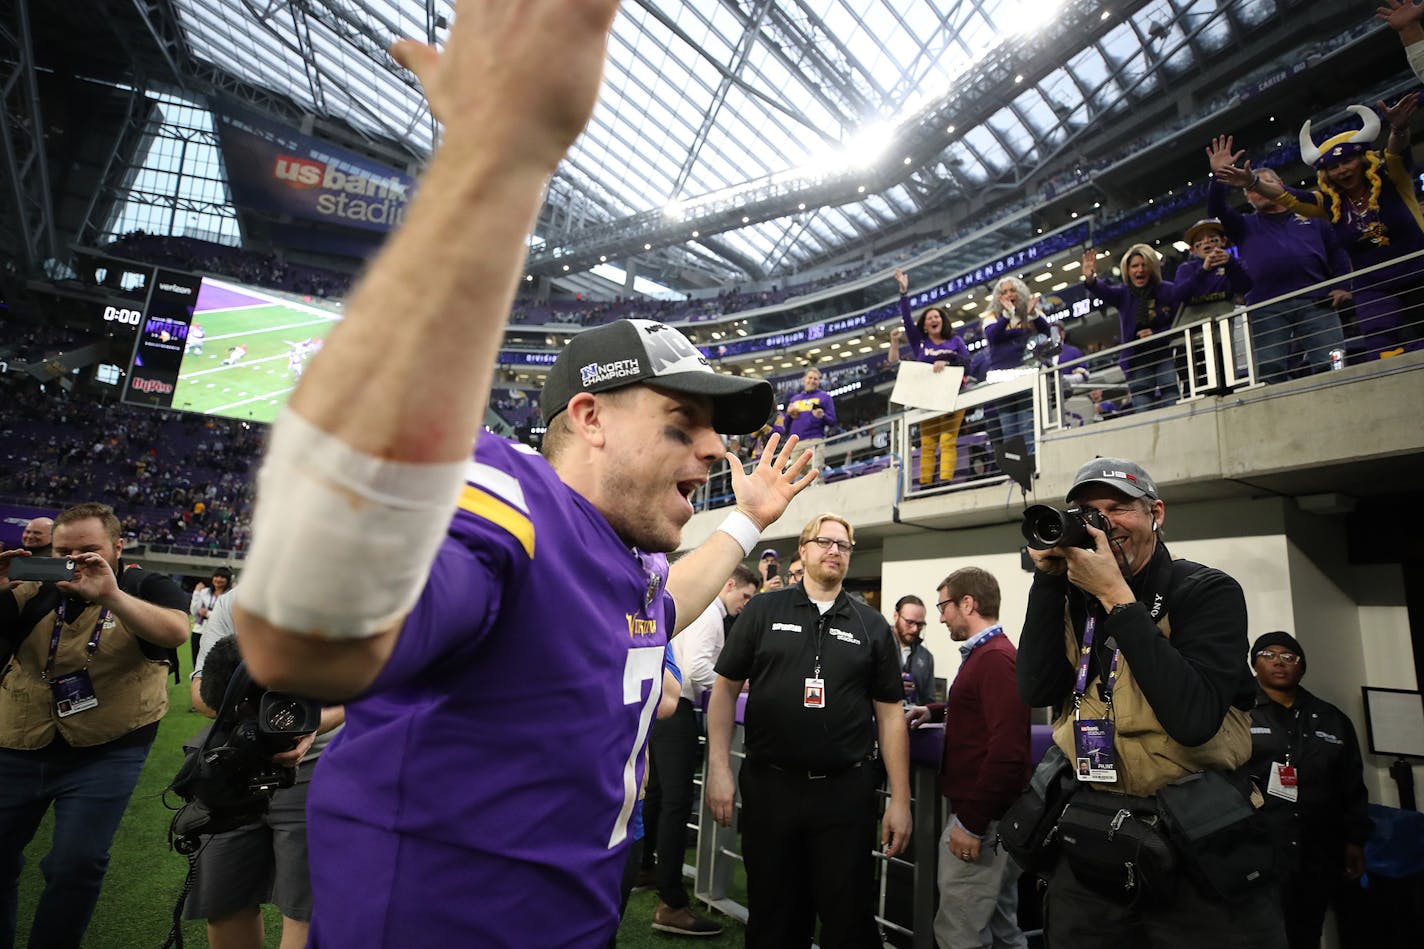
x=1190, y=680
x=1332, y=807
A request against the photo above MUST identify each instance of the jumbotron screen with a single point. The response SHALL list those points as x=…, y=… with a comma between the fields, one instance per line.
x=242, y=349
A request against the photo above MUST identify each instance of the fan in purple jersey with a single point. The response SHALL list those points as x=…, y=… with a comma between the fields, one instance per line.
x=501, y=668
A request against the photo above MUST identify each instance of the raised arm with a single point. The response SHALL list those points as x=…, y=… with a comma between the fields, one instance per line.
x=1403, y=16
x=365, y=437
x=1398, y=116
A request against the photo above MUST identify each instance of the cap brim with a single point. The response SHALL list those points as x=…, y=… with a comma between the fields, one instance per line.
x=739, y=405
x=1126, y=487
x=1194, y=232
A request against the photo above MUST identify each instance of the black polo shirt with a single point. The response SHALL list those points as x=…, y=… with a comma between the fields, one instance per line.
x=775, y=642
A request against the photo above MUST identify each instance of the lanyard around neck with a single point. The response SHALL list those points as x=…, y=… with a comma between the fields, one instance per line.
x=91, y=648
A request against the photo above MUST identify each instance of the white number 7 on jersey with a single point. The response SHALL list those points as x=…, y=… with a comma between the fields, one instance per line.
x=644, y=663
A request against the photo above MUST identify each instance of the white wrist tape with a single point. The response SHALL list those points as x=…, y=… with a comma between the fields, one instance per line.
x=743, y=530
x=342, y=541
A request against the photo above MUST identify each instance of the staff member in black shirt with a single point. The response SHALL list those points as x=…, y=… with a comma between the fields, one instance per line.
x=822, y=666
x=1305, y=756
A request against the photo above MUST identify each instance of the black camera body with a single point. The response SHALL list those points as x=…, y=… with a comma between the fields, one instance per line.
x=230, y=779
x=269, y=723
x=1045, y=526
x=43, y=569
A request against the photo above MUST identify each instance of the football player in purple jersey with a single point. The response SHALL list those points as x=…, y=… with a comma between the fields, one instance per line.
x=462, y=807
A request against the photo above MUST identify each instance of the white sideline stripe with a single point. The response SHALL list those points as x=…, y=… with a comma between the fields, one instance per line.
x=228, y=309
x=255, y=398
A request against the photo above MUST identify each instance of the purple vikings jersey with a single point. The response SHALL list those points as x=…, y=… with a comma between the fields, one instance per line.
x=481, y=792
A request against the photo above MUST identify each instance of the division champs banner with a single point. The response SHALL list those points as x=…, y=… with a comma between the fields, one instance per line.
x=274, y=168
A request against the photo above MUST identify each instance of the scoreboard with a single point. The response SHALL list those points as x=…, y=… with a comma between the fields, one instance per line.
x=162, y=336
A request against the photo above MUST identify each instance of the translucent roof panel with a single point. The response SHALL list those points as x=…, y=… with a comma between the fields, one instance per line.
x=701, y=96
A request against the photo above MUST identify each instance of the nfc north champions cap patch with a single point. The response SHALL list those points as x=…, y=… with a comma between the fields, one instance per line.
x=596, y=373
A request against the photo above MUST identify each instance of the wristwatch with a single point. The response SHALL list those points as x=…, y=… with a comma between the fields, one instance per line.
x=1120, y=608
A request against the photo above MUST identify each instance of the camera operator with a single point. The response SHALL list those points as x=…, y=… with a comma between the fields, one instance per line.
x=1149, y=681
x=80, y=702
x=265, y=862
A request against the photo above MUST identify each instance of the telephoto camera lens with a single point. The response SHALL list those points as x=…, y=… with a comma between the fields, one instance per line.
x=1045, y=526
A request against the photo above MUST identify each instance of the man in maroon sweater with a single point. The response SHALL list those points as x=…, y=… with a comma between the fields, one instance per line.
x=985, y=767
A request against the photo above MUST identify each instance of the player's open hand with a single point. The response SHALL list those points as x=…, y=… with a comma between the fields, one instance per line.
x=1399, y=14
x=517, y=77
x=765, y=491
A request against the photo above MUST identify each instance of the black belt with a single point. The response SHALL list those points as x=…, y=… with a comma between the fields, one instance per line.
x=814, y=774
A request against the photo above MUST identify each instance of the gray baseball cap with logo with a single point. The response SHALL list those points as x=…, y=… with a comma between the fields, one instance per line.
x=645, y=352
x=1126, y=476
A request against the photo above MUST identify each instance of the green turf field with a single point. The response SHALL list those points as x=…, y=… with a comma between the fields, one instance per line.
x=258, y=384
x=145, y=877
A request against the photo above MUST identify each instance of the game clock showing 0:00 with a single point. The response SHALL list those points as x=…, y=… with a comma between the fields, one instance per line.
x=124, y=316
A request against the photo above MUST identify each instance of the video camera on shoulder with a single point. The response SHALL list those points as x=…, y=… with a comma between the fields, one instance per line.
x=230, y=779
x=1045, y=526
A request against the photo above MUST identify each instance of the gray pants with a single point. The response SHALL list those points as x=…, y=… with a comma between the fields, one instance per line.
x=978, y=900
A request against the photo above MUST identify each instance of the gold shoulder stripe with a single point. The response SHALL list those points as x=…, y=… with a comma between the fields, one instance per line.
x=497, y=512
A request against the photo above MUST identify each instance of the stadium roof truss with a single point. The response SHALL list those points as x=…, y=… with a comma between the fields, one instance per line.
x=782, y=133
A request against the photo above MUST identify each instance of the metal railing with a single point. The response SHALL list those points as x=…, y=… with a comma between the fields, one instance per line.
x=1244, y=348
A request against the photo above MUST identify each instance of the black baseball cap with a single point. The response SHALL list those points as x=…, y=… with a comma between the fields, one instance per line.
x=645, y=352
x=1126, y=476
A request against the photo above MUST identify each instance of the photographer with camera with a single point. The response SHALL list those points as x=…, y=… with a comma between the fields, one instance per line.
x=83, y=669
x=266, y=860
x=1149, y=688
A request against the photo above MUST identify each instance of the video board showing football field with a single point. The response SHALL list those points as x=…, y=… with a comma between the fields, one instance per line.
x=246, y=349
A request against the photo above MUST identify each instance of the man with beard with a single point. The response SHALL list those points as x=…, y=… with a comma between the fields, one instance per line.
x=916, y=662
x=1150, y=688
x=822, y=666
x=83, y=695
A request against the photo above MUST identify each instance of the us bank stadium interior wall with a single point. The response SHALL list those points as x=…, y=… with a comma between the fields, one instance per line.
x=1352, y=620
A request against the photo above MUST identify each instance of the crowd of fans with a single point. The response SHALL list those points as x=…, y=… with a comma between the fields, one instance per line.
x=179, y=479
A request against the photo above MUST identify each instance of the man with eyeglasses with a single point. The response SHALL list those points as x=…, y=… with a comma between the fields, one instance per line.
x=1149, y=687
x=916, y=662
x=822, y=666
x=984, y=767
x=1305, y=755
x=796, y=572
